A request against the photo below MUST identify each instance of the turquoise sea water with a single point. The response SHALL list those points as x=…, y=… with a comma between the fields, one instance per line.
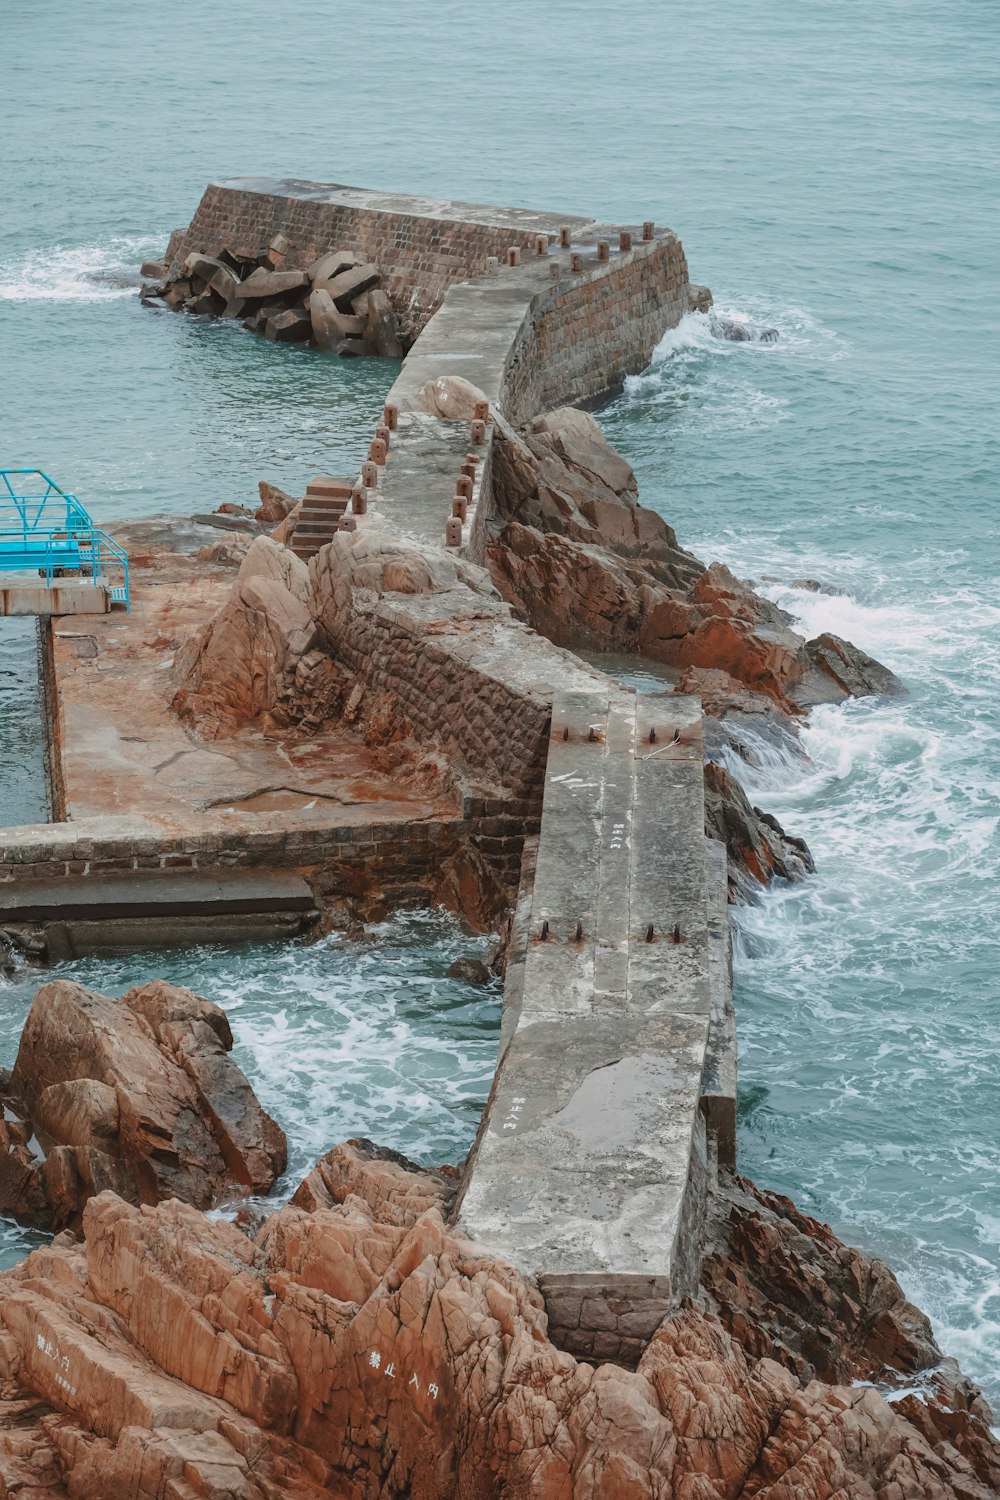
x=832, y=170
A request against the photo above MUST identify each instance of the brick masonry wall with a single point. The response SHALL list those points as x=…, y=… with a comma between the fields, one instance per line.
x=420, y=257
x=582, y=339
x=402, y=859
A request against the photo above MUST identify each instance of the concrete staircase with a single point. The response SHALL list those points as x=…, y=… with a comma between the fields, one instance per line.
x=326, y=500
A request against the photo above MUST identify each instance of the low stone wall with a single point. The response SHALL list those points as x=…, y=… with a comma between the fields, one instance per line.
x=403, y=858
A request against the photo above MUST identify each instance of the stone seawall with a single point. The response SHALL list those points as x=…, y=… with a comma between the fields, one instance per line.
x=597, y=324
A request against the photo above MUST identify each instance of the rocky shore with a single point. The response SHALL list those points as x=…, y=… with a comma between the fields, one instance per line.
x=355, y=1342
x=367, y=700
x=357, y=1345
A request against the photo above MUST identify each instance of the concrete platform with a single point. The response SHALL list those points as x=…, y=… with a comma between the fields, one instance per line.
x=107, y=914
x=593, y=1160
x=121, y=749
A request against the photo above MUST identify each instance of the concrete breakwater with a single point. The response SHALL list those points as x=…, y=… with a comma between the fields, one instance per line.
x=371, y=714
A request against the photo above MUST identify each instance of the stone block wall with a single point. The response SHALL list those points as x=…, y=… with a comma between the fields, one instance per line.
x=401, y=858
x=579, y=341
x=420, y=254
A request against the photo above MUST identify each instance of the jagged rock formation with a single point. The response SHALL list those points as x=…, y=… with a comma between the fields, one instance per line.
x=358, y=1347
x=583, y=562
x=138, y=1095
x=256, y=658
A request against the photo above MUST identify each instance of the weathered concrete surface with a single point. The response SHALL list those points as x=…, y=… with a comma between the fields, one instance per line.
x=122, y=750
x=65, y=597
x=104, y=914
x=593, y=1160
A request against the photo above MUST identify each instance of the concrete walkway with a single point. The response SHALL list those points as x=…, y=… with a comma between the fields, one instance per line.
x=593, y=1160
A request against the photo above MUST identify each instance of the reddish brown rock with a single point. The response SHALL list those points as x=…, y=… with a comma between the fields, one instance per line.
x=248, y=661
x=137, y=1095
x=275, y=504
x=758, y=849
x=583, y=563
x=849, y=670
x=359, y=1348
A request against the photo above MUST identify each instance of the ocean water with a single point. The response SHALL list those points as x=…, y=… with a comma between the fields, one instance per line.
x=339, y=1039
x=832, y=170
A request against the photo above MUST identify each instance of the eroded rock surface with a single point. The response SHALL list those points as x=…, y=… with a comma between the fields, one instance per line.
x=255, y=659
x=359, y=1348
x=138, y=1095
x=584, y=563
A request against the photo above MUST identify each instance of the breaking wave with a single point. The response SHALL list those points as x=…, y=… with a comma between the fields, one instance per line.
x=87, y=273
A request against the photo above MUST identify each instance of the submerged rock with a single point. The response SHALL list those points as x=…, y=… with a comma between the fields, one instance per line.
x=469, y=971
x=359, y=1347
x=138, y=1095
x=741, y=333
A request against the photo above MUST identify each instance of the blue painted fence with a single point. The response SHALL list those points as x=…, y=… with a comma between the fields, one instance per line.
x=46, y=531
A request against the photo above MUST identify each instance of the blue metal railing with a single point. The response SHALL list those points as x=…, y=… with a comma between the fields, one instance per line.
x=44, y=529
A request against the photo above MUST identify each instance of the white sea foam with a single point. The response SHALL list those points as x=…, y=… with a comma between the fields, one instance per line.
x=85, y=273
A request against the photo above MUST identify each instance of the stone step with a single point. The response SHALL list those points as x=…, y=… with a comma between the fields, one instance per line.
x=328, y=517
x=325, y=485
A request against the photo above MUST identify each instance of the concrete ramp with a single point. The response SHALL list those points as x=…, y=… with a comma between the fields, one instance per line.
x=592, y=1164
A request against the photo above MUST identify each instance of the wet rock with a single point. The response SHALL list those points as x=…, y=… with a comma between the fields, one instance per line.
x=382, y=331
x=359, y=1347
x=275, y=504
x=852, y=671
x=262, y=284
x=741, y=333
x=349, y=285
x=757, y=848
x=469, y=971
x=813, y=586
x=138, y=1095
x=227, y=522
x=293, y=326
x=699, y=298
x=790, y=1290
x=355, y=349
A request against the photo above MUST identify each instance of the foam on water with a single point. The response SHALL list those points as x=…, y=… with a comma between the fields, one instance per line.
x=339, y=1039
x=84, y=273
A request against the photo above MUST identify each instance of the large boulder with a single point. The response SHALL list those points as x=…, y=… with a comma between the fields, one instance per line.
x=243, y=665
x=451, y=397
x=358, y=567
x=275, y=504
x=361, y=1347
x=138, y=1095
